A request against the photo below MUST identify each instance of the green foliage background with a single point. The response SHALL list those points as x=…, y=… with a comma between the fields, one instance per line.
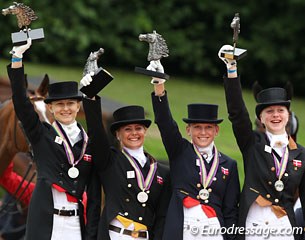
x=272, y=31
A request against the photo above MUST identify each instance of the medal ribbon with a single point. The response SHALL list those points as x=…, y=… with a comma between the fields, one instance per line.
x=68, y=150
x=280, y=167
x=142, y=184
x=206, y=179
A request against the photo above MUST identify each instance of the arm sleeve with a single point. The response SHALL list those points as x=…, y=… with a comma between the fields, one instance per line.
x=23, y=107
x=171, y=136
x=238, y=113
x=161, y=211
x=99, y=142
x=93, y=207
x=231, y=200
x=302, y=191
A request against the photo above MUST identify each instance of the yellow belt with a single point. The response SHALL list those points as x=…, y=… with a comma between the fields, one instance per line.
x=126, y=222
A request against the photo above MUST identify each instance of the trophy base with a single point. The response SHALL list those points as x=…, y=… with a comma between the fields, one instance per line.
x=239, y=53
x=20, y=38
x=151, y=73
x=100, y=79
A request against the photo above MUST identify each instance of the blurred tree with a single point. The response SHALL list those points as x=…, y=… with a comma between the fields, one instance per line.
x=271, y=30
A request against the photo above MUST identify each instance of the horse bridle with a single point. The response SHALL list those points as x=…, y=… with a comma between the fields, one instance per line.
x=14, y=198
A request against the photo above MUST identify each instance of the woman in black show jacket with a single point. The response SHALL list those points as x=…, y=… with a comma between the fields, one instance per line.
x=273, y=163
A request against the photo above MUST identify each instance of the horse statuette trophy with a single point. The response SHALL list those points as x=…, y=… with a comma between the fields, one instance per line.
x=25, y=15
x=157, y=50
x=236, y=53
x=100, y=77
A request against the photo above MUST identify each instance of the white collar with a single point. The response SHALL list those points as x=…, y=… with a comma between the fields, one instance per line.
x=278, y=141
x=138, y=154
x=69, y=126
x=72, y=131
x=207, y=152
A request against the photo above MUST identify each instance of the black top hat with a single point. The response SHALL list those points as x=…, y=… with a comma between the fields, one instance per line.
x=63, y=90
x=202, y=113
x=128, y=115
x=269, y=97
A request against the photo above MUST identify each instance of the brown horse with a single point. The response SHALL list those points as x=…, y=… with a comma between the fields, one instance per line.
x=12, y=136
x=5, y=89
x=14, y=147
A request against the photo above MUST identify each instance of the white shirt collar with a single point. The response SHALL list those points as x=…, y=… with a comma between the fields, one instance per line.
x=138, y=154
x=207, y=152
x=72, y=131
x=277, y=141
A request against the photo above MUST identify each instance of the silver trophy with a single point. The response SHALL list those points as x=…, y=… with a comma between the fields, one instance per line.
x=100, y=77
x=157, y=50
x=236, y=53
x=25, y=15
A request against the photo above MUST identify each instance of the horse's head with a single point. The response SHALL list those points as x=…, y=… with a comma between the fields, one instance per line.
x=91, y=64
x=95, y=55
x=157, y=45
x=148, y=37
x=24, y=13
x=13, y=9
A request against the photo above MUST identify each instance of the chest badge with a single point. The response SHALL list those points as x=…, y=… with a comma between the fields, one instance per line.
x=130, y=174
x=58, y=140
x=297, y=164
x=268, y=149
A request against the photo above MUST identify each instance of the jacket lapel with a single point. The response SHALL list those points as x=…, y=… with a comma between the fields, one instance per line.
x=265, y=150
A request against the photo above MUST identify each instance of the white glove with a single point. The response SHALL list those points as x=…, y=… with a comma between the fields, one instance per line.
x=229, y=62
x=155, y=66
x=19, y=50
x=157, y=81
x=87, y=79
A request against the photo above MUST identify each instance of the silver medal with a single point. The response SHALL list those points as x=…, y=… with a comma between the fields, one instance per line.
x=279, y=185
x=204, y=194
x=142, y=197
x=73, y=172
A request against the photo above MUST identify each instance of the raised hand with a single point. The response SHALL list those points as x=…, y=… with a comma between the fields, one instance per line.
x=87, y=79
x=18, y=51
x=230, y=63
x=156, y=66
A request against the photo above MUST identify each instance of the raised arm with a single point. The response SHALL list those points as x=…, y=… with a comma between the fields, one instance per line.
x=93, y=209
x=162, y=206
x=99, y=142
x=238, y=113
x=231, y=200
x=171, y=136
